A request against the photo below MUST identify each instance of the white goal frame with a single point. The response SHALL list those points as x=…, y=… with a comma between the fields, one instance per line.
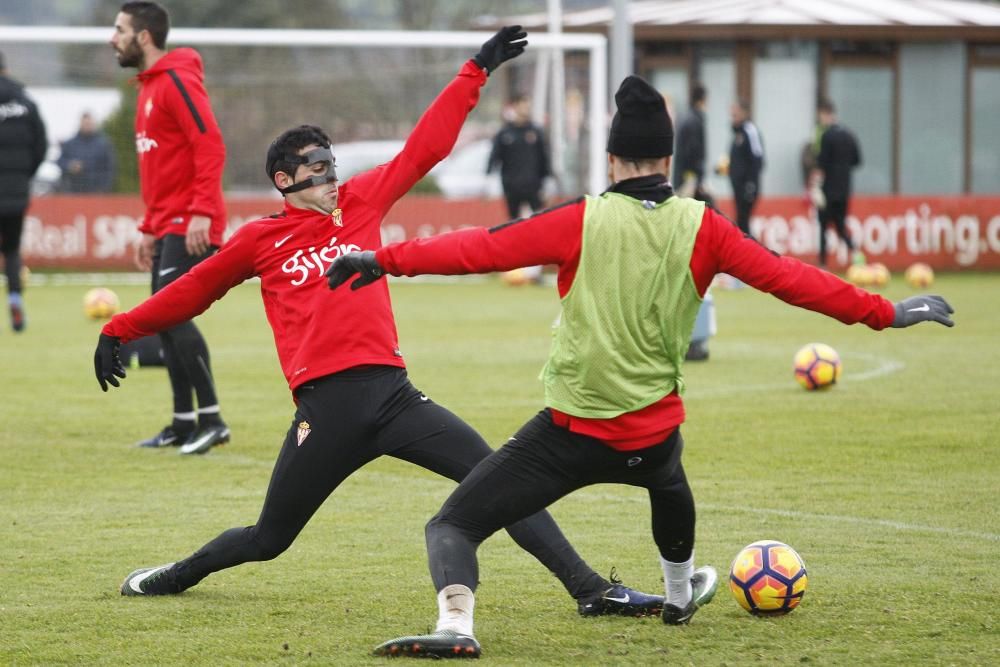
x=593, y=43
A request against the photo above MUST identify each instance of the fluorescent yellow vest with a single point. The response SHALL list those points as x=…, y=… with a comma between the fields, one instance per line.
x=626, y=321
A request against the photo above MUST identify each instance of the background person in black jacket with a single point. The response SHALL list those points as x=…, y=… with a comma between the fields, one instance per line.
x=746, y=161
x=689, y=150
x=22, y=145
x=87, y=160
x=520, y=153
x=838, y=155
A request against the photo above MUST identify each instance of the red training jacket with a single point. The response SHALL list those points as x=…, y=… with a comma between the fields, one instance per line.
x=181, y=154
x=317, y=331
x=555, y=237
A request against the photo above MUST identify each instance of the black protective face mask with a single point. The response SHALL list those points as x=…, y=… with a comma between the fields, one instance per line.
x=312, y=157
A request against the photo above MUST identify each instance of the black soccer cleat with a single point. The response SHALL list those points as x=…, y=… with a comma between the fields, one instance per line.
x=168, y=437
x=703, y=585
x=147, y=581
x=440, y=644
x=204, y=439
x=620, y=600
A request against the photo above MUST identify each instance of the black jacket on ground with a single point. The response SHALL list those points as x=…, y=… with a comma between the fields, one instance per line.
x=22, y=145
x=519, y=151
x=839, y=153
x=746, y=160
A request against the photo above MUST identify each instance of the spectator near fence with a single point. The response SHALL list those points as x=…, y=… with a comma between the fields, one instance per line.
x=87, y=160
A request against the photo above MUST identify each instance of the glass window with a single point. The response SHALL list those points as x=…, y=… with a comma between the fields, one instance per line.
x=718, y=73
x=863, y=97
x=784, y=93
x=986, y=130
x=672, y=82
x=932, y=100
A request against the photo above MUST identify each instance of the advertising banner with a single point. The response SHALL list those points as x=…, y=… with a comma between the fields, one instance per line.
x=98, y=232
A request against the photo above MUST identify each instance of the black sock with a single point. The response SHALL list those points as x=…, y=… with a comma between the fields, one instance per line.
x=182, y=427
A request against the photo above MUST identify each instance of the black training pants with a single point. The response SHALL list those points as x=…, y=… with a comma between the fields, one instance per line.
x=538, y=466
x=516, y=198
x=835, y=213
x=343, y=421
x=11, y=226
x=185, y=352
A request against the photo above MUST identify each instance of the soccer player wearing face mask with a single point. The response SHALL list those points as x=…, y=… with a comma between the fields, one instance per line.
x=339, y=350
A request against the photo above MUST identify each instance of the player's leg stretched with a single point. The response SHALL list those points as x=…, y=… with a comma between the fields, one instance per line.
x=432, y=437
x=323, y=446
x=513, y=483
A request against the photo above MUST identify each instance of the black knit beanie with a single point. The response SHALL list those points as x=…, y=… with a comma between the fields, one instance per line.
x=641, y=127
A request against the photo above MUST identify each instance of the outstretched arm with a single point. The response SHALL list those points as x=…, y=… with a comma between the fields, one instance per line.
x=550, y=237
x=437, y=130
x=188, y=296
x=722, y=248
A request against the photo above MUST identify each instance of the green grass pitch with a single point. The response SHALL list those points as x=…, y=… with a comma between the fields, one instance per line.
x=887, y=485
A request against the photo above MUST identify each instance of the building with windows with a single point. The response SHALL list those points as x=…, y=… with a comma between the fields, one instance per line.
x=918, y=81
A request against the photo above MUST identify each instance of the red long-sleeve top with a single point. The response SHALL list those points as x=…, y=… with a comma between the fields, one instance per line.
x=180, y=148
x=555, y=237
x=317, y=331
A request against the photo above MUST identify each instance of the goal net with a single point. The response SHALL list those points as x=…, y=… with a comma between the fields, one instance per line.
x=366, y=88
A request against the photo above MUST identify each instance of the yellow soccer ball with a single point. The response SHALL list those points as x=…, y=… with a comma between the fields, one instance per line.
x=768, y=578
x=860, y=275
x=100, y=303
x=817, y=366
x=919, y=275
x=879, y=274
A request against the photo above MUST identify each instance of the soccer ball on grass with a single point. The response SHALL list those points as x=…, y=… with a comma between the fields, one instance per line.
x=768, y=578
x=100, y=303
x=919, y=275
x=817, y=366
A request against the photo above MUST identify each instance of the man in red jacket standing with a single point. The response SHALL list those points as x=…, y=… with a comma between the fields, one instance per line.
x=181, y=158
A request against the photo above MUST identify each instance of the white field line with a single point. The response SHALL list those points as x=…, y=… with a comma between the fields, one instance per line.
x=902, y=526
x=881, y=366
x=591, y=495
x=857, y=520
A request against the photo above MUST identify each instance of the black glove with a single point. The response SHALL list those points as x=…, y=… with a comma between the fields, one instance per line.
x=107, y=364
x=925, y=308
x=345, y=266
x=501, y=47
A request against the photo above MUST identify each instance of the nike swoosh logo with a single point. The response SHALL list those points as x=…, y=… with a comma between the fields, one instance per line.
x=623, y=599
x=164, y=272
x=135, y=581
x=278, y=244
x=922, y=309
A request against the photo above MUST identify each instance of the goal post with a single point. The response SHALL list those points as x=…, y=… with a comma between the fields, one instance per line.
x=594, y=45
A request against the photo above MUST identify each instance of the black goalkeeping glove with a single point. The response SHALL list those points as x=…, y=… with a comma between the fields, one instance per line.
x=345, y=266
x=501, y=47
x=924, y=308
x=107, y=364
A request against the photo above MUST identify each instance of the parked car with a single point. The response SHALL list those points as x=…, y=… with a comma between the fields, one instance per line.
x=462, y=175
